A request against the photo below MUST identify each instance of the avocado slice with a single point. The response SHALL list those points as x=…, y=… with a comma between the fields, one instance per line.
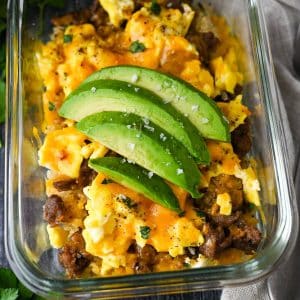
x=201, y=110
x=138, y=179
x=113, y=95
x=140, y=141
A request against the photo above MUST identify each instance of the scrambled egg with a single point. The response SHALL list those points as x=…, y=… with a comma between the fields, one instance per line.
x=111, y=222
x=226, y=72
x=224, y=201
x=235, y=112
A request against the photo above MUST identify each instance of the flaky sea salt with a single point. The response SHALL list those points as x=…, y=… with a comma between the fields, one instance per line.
x=204, y=120
x=195, y=107
x=179, y=171
x=131, y=146
x=150, y=174
x=162, y=137
x=134, y=78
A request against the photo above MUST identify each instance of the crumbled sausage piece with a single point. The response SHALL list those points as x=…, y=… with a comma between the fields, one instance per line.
x=215, y=240
x=65, y=185
x=54, y=210
x=224, y=97
x=241, y=139
x=220, y=184
x=140, y=267
x=73, y=257
x=145, y=259
x=228, y=184
x=225, y=221
x=138, y=4
x=245, y=237
x=238, y=90
x=147, y=254
x=175, y=4
x=164, y=261
x=86, y=175
x=204, y=42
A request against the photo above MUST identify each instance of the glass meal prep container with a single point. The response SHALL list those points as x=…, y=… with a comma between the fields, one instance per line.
x=27, y=246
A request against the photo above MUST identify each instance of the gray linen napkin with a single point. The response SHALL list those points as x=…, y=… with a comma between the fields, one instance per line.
x=283, y=22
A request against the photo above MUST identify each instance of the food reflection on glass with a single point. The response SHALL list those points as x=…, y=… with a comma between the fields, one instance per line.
x=146, y=140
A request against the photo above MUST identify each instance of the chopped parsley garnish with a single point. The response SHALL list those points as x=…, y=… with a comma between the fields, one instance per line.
x=107, y=181
x=51, y=106
x=136, y=47
x=127, y=201
x=145, y=232
x=155, y=7
x=201, y=214
x=68, y=38
x=252, y=206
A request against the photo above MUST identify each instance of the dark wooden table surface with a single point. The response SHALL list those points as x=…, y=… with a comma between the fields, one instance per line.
x=208, y=295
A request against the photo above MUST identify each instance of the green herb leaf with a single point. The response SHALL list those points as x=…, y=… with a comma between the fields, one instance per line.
x=127, y=201
x=24, y=292
x=2, y=102
x=136, y=46
x=252, y=206
x=8, y=279
x=11, y=288
x=68, y=38
x=107, y=181
x=8, y=294
x=201, y=214
x=51, y=106
x=145, y=232
x=155, y=7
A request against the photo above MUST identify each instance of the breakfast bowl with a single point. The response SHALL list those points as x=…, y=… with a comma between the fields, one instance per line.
x=29, y=240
